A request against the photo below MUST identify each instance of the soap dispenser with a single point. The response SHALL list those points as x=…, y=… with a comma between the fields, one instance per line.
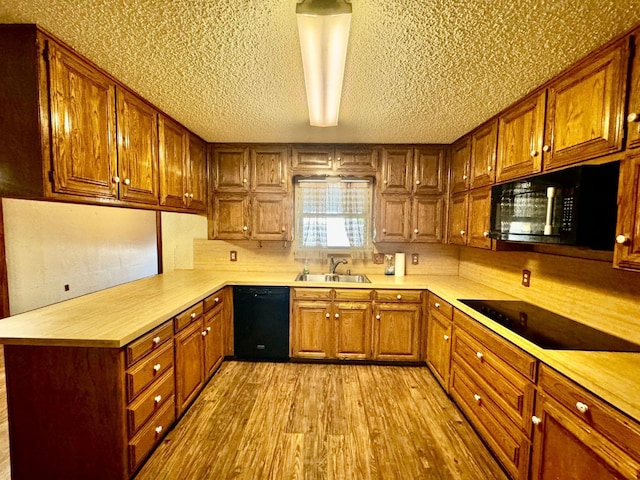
x=389, y=267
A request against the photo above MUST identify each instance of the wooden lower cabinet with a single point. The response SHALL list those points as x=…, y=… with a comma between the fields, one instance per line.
x=439, y=332
x=626, y=253
x=310, y=329
x=352, y=330
x=397, y=325
x=213, y=340
x=578, y=436
x=189, y=365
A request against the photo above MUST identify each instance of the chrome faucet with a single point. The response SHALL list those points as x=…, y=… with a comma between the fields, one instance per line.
x=333, y=264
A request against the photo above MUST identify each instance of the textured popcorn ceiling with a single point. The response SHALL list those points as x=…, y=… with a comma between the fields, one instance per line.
x=421, y=71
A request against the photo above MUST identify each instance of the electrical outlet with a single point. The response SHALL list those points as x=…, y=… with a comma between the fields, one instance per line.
x=526, y=278
x=233, y=256
x=415, y=259
x=378, y=258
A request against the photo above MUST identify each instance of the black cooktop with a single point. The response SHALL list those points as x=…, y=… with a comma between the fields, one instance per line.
x=547, y=329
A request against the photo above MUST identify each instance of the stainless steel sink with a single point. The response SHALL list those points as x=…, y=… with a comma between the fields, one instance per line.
x=328, y=277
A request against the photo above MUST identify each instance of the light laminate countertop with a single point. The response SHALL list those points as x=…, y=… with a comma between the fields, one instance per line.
x=114, y=317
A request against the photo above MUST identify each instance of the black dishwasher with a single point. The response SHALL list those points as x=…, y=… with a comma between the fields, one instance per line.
x=261, y=323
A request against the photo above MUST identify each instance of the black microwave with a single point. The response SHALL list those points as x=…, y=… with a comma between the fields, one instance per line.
x=576, y=206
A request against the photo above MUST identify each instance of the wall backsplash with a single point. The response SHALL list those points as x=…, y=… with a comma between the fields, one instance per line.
x=589, y=291
x=279, y=257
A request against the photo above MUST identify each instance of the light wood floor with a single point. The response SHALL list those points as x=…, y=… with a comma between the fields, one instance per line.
x=4, y=427
x=311, y=421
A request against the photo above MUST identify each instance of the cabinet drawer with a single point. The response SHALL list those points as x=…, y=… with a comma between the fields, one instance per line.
x=353, y=294
x=152, y=400
x=315, y=293
x=146, y=371
x=213, y=300
x=156, y=428
x=148, y=343
x=411, y=296
x=439, y=305
x=509, y=445
x=600, y=416
x=185, y=318
x=519, y=360
x=510, y=390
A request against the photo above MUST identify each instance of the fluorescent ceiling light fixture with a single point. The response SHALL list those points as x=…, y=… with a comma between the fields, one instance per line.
x=323, y=27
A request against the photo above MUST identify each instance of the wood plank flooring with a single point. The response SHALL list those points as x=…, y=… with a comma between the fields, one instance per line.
x=315, y=421
x=5, y=471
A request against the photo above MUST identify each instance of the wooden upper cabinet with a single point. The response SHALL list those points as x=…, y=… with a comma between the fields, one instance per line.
x=458, y=206
x=429, y=172
x=483, y=154
x=426, y=218
x=269, y=168
x=626, y=254
x=196, y=185
x=393, y=220
x=270, y=214
x=479, y=217
x=231, y=169
x=395, y=174
x=585, y=108
x=137, y=149
x=520, y=136
x=633, y=118
x=83, y=126
x=312, y=158
x=460, y=159
x=173, y=140
x=230, y=217
x=356, y=159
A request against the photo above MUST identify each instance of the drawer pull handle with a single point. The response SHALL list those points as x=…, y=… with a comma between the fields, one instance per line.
x=536, y=420
x=582, y=407
x=157, y=367
x=446, y=337
x=159, y=429
x=193, y=315
x=480, y=355
x=477, y=397
x=157, y=399
x=156, y=340
x=437, y=305
x=399, y=297
x=216, y=300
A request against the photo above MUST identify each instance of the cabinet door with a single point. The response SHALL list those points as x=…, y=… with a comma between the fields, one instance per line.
x=439, y=348
x=189, y=365
x=213, y=340
x=231, y=169
x=633, y=119
x=484, y=142
x=83, y=127
x=626, y=253
x=352, y=330
x=479, y=218
x=426, y=218
x=270, y=217
x=395, y=174
x=311, y=328
x=269, y=168
x=429, y=170
x=520, y=136
x=393, y=218
x=197, y=177
x=460, y=158
x=137, y=149
x=173, y=139
x=396, y=331
x=356, y=159
x=585, y=109
x=458, y=219
x=312, y=158
x=231, y=216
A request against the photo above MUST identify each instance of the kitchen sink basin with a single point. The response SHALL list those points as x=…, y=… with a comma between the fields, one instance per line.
x=329, y=277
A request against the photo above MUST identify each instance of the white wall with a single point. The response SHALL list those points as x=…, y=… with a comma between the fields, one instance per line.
x=86, y=247
x=178, y=232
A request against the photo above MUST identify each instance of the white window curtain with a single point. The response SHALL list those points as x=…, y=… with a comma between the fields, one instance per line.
x=333, y=216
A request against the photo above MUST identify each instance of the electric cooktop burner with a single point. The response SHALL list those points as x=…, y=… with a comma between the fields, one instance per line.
x=547, y=329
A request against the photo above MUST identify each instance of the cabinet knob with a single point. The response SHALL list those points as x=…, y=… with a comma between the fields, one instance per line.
x=186, y=194
x=464, y=177
x=384, y=230
x=191, y=195
x=127, y=181
x=462, y=232
x=245, y=228
x=399, y=297
x=378, y=317
x=536, y=420
x=385, y=181
x=437, y=305
x=546, y=148
x=489, y=168
x=485, y=234
x=204, y=334
x=582, y=407
x=283, y=229
x=534, y=153
x=480, y=355
x=244, y=180
x=116, y=179
x=156, y=340
x=446, y=337
x=208, y=329
x=156, y=367
x=633, y=117
x=328, y=315
x=622, y=239
x=330, y=157
x=193, y=315
x=159, y=429
x=477, y=397
x=338, y=158
x=417, y=182
x=337, y=315
x=216, y=300
x=415, y=230
x=157, y=398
